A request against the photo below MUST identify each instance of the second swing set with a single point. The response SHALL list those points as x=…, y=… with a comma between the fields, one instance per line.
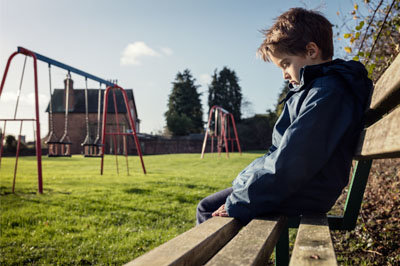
x=222, y=131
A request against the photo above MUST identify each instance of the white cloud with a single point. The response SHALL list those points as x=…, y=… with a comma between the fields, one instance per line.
x=205, y=79
x=167, y=51
x=25, y=99
x=134, y=51
x=9, y=96
x=26, y=105
x=30, y=99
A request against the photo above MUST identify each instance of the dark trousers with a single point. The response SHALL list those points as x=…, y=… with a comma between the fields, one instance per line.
x=210, y=204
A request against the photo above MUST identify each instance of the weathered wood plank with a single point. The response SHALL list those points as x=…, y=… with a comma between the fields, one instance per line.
x=382, y=139
x=313, y=244
x=194, y=247
x=387, y=84
x=253, y=245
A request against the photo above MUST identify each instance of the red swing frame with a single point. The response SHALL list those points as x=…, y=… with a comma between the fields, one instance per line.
x=37, y=120
x=225, y=117
x=118, y=133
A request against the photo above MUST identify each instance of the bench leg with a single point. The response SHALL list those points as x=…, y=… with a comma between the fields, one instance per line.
x=282, y=249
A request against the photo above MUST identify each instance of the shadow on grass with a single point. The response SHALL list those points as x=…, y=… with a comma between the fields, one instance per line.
x=137, y=191
x=261, y=152
x=190, y=186
x=4, y=191
x=191, y=200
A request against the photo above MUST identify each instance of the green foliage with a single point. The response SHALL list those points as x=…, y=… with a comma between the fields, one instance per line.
x=255, y=132
x=272, y=118
x=11, y=143
x=225, y=91
x=179, y=124
x=279, y=105
x=184, y=115
x=373, y=38
x=87, y=218
x=273, y=115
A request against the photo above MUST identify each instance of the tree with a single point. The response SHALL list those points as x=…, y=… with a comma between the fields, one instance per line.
x=184, y=115
x=255, y=133
x=374, y=37
x=282, y=95
x=225, y=91
x=247, y=108
x=273, y=115
x=11, y=143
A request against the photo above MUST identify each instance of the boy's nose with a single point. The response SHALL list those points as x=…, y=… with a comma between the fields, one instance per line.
x=286, y=75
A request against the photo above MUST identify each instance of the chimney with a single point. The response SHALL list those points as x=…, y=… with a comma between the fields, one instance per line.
x=70, y=92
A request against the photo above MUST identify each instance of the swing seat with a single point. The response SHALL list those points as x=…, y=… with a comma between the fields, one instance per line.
x=62, y=148
x=89, y=150
x=62, y=145
x=52, y=148
x=59, y=144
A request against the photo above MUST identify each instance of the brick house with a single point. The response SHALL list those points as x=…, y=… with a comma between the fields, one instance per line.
x=77, y=117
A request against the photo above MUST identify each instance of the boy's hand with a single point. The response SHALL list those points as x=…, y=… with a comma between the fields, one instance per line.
x=221, y=212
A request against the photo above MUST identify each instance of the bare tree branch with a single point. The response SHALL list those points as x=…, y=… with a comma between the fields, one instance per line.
x=369, y=24
x=380, y=30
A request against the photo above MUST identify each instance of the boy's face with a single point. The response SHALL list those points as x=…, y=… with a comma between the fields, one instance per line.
x=291, y=64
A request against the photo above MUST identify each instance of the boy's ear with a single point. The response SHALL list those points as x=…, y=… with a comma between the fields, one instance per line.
x=313, y=50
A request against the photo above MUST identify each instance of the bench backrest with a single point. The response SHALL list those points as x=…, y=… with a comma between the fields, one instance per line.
x=381, y=139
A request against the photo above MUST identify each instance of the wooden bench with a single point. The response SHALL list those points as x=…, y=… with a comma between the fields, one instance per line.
x=223, y=241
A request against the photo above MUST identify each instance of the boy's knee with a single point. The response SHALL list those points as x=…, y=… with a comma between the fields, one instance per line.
x=201, y=206
x=201, y=213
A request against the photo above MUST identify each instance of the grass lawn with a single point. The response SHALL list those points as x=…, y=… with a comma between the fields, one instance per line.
x=85, y=218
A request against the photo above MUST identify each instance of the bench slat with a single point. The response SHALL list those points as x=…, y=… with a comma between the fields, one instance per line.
x=387, y=84
x=194, y=247
x=313, y=244
x=253, y=245
x=382, y=139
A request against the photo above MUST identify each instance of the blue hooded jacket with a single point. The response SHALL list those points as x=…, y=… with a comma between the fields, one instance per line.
x=313, y=142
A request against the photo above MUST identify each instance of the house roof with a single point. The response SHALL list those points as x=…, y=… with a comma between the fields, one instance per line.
x=79, y=101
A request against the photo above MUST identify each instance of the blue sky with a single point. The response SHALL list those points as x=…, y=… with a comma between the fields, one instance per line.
x=143, y=44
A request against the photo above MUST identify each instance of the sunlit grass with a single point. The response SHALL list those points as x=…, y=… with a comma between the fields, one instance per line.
x=85, y=218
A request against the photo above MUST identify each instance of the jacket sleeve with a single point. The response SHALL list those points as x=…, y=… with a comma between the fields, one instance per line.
x=306, y=146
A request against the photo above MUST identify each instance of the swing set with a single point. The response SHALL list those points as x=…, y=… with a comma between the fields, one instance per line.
x=61, y=147
x=222, y=131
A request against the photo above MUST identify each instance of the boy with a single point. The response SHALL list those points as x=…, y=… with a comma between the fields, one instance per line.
x=313, y=140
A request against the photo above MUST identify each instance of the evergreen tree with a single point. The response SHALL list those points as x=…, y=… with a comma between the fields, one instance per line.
x=184, y=115
x=284, y=91
x=11, y=143
x=225, y=91
x=273, y=115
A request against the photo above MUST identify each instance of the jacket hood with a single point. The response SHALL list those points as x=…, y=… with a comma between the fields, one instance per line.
x=353, y=73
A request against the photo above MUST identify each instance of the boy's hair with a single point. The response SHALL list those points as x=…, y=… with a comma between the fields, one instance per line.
x=293, y=30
